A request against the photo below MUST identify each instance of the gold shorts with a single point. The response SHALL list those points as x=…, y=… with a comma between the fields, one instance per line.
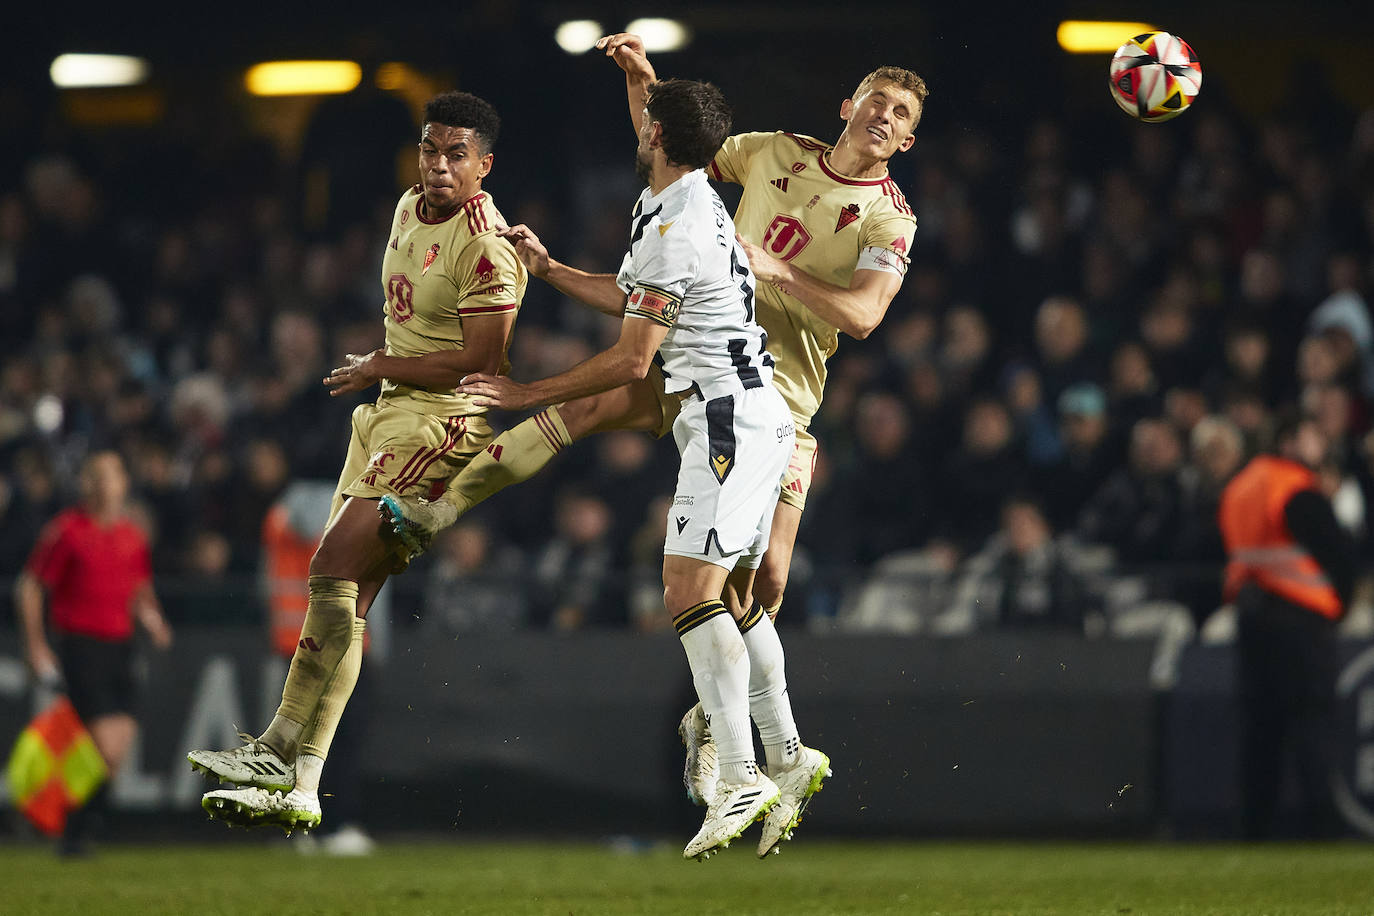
x=796, y=481
x=394, y=450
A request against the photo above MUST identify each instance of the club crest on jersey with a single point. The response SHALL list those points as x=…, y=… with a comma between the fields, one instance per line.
x=429, y=258
x=847, y=216
x=780, y=183
x=798, y=167
x=485, y=271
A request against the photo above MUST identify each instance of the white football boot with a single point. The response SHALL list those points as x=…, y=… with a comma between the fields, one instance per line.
x=250, y=765
x=796, y=785
x=416, y=521
x=732, y=809
x=254, y=807
x=700, y=772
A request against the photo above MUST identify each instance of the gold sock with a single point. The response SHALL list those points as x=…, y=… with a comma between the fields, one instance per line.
x=319, y=732
x=325, y=639
x=514, y=456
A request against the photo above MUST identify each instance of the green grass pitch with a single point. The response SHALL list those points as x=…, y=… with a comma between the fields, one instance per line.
x=585, y=879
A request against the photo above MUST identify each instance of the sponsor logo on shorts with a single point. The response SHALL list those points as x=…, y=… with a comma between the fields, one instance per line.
x=682, y=521
x=685, y=501
x=785, y=431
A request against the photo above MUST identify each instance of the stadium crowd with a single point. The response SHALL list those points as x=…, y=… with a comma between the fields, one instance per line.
x=1080, y=357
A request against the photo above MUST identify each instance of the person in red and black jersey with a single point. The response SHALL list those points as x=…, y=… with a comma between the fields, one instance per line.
x=94, y=567
x=1290, y=569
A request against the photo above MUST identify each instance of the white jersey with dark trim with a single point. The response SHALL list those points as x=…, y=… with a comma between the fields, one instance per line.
x=685, y=271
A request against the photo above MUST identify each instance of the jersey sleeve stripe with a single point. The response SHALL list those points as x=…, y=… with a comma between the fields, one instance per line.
x=715, y=172
x=487, y=309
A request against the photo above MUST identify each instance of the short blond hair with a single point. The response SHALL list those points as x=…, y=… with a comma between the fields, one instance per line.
x=902, y=77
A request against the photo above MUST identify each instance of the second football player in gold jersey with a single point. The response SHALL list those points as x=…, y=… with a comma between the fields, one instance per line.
x=828, y=234
x=451, y=291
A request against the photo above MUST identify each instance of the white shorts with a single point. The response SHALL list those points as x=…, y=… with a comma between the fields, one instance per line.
x=734, y=451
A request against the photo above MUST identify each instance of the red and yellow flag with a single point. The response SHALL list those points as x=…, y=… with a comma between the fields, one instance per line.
x=54, y=767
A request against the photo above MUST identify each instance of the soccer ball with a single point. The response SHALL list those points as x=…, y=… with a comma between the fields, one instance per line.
x=1155, y=76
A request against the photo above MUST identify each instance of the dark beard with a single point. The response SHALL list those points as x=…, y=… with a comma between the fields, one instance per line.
x=644, y=167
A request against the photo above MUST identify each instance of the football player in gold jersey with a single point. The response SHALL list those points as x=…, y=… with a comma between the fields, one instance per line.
x=451, y=292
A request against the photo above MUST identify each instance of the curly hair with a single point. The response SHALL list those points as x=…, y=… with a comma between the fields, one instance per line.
x=695, y=118
x=463, y=109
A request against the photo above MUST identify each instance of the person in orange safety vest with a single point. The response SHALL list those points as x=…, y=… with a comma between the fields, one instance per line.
x=1290, y=568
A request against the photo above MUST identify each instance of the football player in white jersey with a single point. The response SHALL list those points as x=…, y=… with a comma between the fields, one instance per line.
x=687, y=297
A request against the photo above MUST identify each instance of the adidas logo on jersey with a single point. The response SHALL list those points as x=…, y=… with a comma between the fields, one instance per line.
x=780, y=183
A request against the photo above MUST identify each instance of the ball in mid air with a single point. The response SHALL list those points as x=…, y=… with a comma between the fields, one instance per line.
x=1155, y=76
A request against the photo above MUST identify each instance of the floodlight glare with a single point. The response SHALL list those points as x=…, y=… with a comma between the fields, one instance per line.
x=578, y=36
x=661, y=34
x=303, y=77
x=73, y=71
x=1080, y=36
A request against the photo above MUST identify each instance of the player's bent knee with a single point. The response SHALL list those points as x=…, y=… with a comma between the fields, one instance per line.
x=770, y=583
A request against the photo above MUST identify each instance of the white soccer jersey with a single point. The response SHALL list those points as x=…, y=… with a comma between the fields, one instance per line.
x=685, y=270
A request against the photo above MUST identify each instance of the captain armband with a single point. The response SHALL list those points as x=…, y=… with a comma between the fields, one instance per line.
x=658, y=305
x=883, y=259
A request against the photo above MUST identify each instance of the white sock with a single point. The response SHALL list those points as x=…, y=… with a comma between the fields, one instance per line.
x=308, y=770
x=769, y=705
x=720, y=670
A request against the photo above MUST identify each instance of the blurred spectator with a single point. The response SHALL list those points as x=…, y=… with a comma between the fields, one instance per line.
x=471, y=587
x=1216, y=453
x=1022, y=577
x=1138, y=510
x=978, y=477
x=1061, y=345
x=573, y=570
x=1089, y=456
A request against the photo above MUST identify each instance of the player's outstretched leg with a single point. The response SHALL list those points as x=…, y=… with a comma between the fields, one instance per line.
x=514, y=456
x=521, y=452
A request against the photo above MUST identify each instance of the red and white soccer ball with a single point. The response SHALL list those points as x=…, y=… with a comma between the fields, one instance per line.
x=1155, y=76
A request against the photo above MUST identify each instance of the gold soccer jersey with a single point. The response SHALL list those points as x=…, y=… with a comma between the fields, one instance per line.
x=800, y=210
x=437, y=274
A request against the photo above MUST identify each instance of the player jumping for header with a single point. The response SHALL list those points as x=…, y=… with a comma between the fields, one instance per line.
x=452, y=289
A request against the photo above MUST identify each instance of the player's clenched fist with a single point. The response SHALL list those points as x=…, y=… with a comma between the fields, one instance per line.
x=527, y=247
x=627, y=49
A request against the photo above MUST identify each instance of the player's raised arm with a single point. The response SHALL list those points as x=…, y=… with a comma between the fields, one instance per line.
x=627, y=49
x=596, y=290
